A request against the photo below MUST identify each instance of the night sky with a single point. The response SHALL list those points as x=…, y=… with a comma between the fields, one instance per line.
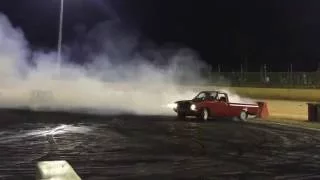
x=275, y=32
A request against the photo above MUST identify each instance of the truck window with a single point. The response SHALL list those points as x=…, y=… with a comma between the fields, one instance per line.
x=222, y=97
x=201, y=96
x=206, y=96
x=212, y=96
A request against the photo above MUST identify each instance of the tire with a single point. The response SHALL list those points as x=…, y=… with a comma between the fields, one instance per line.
x=243, y=116
x=204, y=115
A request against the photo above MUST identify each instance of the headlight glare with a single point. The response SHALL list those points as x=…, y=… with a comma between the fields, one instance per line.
x=173, y=105
x=193, y=107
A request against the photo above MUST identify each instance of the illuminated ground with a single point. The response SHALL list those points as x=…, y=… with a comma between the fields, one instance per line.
x=297, y=110
x=142, y=147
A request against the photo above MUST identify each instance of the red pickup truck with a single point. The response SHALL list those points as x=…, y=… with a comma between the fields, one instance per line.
x=211, y=104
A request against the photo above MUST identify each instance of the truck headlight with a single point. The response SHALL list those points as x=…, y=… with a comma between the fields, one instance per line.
x=193, y=107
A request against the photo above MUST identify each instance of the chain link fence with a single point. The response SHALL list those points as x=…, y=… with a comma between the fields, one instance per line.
x=267, y=79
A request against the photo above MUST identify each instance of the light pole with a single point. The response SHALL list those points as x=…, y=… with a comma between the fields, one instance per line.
x=60, y=35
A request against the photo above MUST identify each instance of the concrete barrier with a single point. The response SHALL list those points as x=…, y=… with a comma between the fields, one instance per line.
x=49, y=170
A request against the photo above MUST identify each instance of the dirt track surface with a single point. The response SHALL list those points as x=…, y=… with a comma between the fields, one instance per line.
x=149, y=147
x=281, y=109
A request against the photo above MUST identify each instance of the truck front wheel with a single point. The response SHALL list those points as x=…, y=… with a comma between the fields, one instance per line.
x=204, y=114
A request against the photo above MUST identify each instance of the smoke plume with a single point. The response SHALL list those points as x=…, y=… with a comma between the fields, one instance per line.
x=119, y=73
x=121, y=76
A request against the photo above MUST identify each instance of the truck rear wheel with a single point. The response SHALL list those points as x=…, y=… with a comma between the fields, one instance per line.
x=243, y=116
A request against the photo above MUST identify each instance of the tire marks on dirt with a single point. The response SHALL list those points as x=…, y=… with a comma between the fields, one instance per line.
x=141, y=147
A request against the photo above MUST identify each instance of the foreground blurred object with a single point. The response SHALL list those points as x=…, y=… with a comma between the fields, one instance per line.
x=61, y=170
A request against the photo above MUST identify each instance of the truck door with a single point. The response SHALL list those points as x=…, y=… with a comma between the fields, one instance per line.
x=222, y=104
x=219, y=106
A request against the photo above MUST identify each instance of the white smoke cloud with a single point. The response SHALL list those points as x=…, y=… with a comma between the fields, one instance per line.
x=118, y=79
x=122, y=75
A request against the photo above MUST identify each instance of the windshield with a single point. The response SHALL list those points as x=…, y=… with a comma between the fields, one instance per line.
x=206, y=96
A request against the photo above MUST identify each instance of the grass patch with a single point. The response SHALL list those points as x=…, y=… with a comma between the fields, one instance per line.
x=288, y=109
x=279, y=93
